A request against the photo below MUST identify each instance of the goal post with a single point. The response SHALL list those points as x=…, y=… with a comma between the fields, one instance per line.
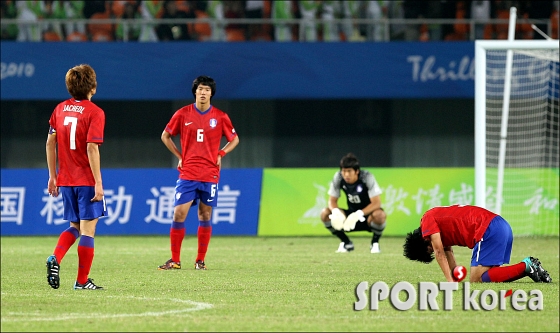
x=517, y=158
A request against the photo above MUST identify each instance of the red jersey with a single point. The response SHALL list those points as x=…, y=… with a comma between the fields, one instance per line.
x=76, y=123
x=459, y=225
x=200, y=135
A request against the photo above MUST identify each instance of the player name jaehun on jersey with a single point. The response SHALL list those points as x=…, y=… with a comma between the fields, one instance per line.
x=73, y=108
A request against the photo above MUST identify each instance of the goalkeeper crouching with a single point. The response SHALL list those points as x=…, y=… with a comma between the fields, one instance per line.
x=364, y=211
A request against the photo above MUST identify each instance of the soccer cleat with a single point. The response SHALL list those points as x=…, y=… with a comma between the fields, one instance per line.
x=543, y=274
x=345, y=247
x=53, y=269
x=531, y=270
x=200, y=265
x=535, y=271
x=375, y=248
x=89, y=285
x=170, y=264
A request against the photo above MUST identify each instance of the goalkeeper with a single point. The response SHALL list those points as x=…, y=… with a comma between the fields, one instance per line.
x=364, y=211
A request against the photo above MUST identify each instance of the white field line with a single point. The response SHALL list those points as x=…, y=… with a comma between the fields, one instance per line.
x=34, y=316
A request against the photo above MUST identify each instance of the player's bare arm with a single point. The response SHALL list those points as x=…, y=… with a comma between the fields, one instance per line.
x=375, y=204
x=228, y=148
x=168, y=142
x=439, y=254
x=51, y=164
x=333, y=203
x=450, y=257
x=95, y=165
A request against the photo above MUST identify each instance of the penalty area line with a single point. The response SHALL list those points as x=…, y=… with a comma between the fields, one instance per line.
x=32, y=316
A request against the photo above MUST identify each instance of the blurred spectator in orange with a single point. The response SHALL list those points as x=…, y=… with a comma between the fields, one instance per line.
x=554, y=20
x=202, y=31
x=99, y=32
x=117, y=6
x=265, y=32
x=234, y=31
x=460, y=30
x=524, y=30
x=92, y=7
x=502, y=12
x=77, y=37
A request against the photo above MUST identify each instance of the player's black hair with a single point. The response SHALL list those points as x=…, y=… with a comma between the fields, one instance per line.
x=350, y=161
x=205, y=80
x=416, y=247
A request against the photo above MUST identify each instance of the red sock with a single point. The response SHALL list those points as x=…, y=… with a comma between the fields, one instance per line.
x=85, y=258
x=504, y=273
x=65, y=241
x=204, y=234
x=176, y=235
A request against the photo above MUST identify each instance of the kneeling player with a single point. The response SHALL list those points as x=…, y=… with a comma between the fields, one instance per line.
x=486, y=233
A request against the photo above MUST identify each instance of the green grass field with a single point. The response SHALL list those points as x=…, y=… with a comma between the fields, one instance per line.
x=252, y=284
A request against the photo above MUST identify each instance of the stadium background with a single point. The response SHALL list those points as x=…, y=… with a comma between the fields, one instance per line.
x=405, y=108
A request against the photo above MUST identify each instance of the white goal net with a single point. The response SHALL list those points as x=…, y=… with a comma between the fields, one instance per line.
x=516, y=133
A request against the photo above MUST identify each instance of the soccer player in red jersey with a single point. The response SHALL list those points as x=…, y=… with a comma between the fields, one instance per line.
x=76, y=129
x=201, y=127
x=486, y=233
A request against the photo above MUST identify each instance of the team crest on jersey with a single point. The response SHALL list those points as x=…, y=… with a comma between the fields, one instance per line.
x=213, y=122
x=359, y=188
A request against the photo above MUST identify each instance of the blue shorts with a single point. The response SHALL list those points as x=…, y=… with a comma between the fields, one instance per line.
x=494, y=249
x=78, y=205
x=190, y=190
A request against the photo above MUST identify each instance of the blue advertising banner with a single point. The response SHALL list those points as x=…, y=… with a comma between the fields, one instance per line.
x=139, y=202
x=165, y=71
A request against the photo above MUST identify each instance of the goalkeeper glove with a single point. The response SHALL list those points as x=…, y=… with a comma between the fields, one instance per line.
x=352, y=219
x=337, y=219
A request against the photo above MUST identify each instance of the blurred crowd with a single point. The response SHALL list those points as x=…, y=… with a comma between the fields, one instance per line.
x=307, y=20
